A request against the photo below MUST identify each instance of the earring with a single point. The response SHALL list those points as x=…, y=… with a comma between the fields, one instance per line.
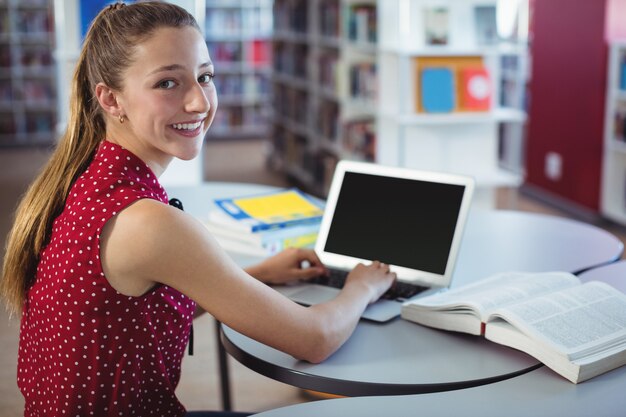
x=121, y=118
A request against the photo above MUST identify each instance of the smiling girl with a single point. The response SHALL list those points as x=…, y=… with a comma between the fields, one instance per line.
x=106, y=274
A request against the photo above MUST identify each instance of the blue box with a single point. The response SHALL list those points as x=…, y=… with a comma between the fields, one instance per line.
x=438, y=95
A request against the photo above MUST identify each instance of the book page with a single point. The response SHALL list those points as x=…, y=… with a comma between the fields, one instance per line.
x=578, y=321
x=499, y=290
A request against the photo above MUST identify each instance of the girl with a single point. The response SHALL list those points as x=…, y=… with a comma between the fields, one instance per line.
x=106, y=274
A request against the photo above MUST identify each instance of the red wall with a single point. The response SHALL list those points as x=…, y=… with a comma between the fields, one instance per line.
x=567, y=97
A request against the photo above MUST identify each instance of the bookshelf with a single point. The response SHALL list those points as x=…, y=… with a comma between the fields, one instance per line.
x=613, y=194
x=238, y=35
x=566, y=147
x=324, y=86
x=27, y=73
x=451, y=92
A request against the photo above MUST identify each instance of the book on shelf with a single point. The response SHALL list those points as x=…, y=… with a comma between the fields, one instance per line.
x=622, y=82
x=226, y=52
x=437, y=90
x=363, y=81
x=223, y=22
x=359, y=139
x=362, y=23
x=436, y=25
x=576, y=329
x=273, y=210
x=329, y=18
x=328, y=119
x=475, y=88
x=259, y=52
x=486, y=26
x=619, y=122
x=328, y=64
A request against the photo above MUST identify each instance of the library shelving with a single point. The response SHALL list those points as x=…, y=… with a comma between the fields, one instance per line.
x=27, y=73
x=238, y=35
x=613, y=203
x=566, y=141
x=324, y=86
x=451, y=91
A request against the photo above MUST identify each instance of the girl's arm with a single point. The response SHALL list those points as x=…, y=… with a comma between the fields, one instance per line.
x=286, y=266
x=150, y=243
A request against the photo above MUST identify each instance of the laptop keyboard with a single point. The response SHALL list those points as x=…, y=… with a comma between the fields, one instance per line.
x=399, y=291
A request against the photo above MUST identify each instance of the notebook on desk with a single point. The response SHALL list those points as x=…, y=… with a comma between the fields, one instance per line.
x=411, y=220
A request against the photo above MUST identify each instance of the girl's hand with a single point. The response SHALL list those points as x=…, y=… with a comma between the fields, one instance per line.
x=292, y=264
x=376, y=277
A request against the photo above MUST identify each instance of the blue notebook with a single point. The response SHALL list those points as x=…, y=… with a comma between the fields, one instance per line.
x=437, y=88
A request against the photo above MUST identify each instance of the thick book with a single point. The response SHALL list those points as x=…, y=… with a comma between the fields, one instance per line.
x=264, y=243
x=274, y=210
x=576, y=329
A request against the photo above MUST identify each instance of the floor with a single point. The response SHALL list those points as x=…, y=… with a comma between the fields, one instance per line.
x=199, y=386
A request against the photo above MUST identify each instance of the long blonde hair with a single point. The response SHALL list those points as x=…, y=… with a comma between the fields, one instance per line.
x=106, y=53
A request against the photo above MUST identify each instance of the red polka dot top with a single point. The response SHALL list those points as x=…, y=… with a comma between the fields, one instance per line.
x=85, y=349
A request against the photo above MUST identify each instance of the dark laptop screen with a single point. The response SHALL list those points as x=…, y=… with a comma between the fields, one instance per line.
x=403, y=222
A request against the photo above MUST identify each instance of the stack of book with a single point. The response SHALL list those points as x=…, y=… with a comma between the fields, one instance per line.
x=265, y=224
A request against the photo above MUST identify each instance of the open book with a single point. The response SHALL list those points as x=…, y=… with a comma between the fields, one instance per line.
x=578, y=330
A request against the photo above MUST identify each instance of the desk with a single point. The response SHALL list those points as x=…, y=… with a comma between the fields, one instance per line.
x=537, y=393
x=405, y=358
x=540, y=393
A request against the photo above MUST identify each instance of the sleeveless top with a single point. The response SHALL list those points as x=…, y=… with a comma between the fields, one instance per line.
x=85, y=349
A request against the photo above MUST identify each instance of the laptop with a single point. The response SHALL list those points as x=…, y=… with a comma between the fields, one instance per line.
x=412, y=220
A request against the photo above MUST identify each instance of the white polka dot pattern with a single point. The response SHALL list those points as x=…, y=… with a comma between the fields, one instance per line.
x=85, y=349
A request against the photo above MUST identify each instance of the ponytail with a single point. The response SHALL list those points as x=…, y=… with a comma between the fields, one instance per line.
x=45, y=198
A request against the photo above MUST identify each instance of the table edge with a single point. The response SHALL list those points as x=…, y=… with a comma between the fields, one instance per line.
x=350, y=388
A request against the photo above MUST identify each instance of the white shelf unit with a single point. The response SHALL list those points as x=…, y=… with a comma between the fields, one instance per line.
x=613, y=190
x=325, y=87
x=238, y=35
x=27, y=73
x=458, y=141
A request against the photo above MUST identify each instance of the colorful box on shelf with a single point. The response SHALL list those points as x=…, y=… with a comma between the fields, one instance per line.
x=475, y=89
x=453, y=84
x=437, y=86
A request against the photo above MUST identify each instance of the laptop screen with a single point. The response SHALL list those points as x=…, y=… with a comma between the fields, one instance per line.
x=399, y=221
x=412, y=220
